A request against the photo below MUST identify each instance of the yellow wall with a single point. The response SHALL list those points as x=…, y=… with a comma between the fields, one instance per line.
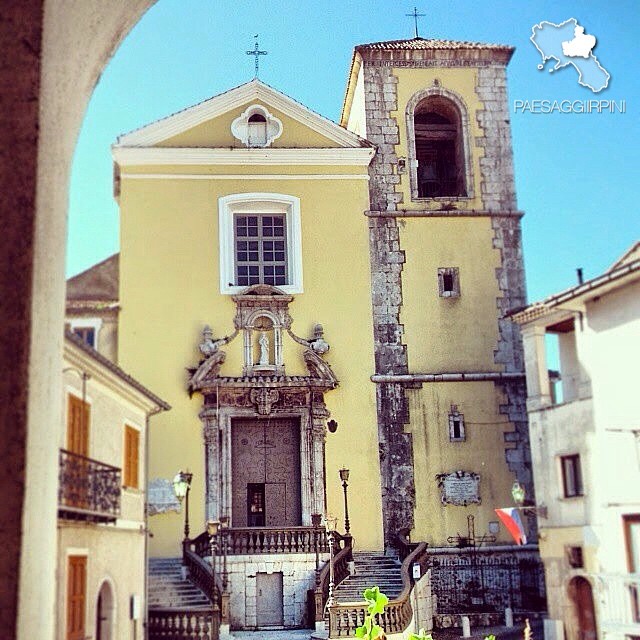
x=169, y=275
x=217, y=132
x=481, y=452
x=449, y=334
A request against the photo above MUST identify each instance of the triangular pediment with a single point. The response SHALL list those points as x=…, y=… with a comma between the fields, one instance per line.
x=209, y=124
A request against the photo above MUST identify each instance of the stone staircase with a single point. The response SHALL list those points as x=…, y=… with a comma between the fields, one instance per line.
x=168, y=589
x=371, y=569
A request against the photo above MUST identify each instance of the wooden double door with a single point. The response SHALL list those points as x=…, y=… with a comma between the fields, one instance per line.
x=265, y=463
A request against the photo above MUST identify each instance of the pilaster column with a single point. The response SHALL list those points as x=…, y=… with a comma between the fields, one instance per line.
x=210, y=433
x=535, y=359
x=319, y=416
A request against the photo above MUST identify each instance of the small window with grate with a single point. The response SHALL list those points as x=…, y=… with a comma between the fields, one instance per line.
x=260, y=250
x=456, y=425
x=449, y=282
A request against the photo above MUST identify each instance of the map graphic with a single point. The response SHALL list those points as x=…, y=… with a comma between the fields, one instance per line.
x=568, y=44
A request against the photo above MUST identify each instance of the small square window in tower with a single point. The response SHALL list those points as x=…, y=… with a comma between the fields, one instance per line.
x=260, y=249
x=449, y=282
x=439, y=149
x=456, y=425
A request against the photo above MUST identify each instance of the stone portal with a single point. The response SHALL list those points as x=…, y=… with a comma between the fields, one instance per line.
x=265, y=472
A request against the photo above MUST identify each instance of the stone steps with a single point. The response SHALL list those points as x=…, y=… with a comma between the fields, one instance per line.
x=371, y=569
x=168, y=589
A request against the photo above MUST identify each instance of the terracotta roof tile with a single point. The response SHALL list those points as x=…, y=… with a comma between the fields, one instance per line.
x=423, y=43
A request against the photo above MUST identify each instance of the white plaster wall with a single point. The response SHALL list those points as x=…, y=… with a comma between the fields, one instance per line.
x=357, y=117
x=298, y=576
x=113, y=553
x=78, y=40
x=562, y=430
x=611, y=351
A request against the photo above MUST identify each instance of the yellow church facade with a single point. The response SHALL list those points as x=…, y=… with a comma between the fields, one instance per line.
x=311, y=296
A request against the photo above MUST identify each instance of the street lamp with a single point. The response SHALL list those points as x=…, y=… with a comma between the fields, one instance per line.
x=181, y=487
x=519, y=494
x=331, y=529
x=212, y=530
x=344, y=476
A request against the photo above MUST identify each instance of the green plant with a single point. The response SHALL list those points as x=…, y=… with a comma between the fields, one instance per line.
x=376, y=602
x=491, y=636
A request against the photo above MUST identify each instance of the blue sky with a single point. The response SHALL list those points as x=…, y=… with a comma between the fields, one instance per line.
x=574, y=172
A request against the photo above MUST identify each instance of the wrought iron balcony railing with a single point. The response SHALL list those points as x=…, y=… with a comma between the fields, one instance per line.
x=88, y=489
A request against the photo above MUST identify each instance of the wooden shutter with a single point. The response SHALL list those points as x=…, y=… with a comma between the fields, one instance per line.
x=131, y=457
x=76, y=597
x=78, y=415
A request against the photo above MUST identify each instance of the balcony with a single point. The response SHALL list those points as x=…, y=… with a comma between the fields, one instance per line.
x=618, y=601
x=89, y=490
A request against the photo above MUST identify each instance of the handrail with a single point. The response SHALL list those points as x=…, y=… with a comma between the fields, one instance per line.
x=344, y=618
x=341, y=561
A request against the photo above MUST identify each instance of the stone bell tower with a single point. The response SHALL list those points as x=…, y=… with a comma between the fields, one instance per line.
x=446, y=265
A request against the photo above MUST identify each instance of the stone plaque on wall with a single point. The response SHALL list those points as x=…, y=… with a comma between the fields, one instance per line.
x=161, y=497
x=459, y=488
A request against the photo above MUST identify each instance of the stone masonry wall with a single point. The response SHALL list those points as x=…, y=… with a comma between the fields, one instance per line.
x=298, y=576
x=396, y=447
x=497, y=184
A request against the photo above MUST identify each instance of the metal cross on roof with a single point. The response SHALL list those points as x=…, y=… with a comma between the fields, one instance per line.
x=415, y=15
x=256, y=53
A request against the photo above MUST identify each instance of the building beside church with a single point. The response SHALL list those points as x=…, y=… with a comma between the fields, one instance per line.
x=101, y=497
x=585, y=443
x=312, y=296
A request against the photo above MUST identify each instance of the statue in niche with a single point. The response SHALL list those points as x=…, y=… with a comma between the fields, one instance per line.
x=263, y=341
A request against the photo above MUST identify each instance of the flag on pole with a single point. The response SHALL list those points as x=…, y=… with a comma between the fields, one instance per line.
x=511, y=519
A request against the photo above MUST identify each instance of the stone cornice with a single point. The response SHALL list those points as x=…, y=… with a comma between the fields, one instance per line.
x=162, y=156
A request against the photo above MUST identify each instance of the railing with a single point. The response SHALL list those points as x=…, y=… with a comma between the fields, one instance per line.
x=261, y=540
x=200, y=572
x=343, y=555
x=179, y=624
x=344, y=618
x=480, y=580
x=88, y=489
x=618, y=601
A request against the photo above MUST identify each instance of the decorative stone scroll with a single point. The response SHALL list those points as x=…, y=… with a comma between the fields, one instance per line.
x=459, y=488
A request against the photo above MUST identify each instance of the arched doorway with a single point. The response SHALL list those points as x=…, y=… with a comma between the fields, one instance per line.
x=104, y=613
x=583, y=610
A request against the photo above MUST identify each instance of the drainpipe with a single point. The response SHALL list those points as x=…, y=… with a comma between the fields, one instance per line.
x=145, y=622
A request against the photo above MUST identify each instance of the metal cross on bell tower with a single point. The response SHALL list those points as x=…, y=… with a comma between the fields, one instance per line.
x=257, y=53
x=415, y=15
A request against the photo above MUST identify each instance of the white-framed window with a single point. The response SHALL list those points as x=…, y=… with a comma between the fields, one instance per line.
x=87, y=329
x=260, y=241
